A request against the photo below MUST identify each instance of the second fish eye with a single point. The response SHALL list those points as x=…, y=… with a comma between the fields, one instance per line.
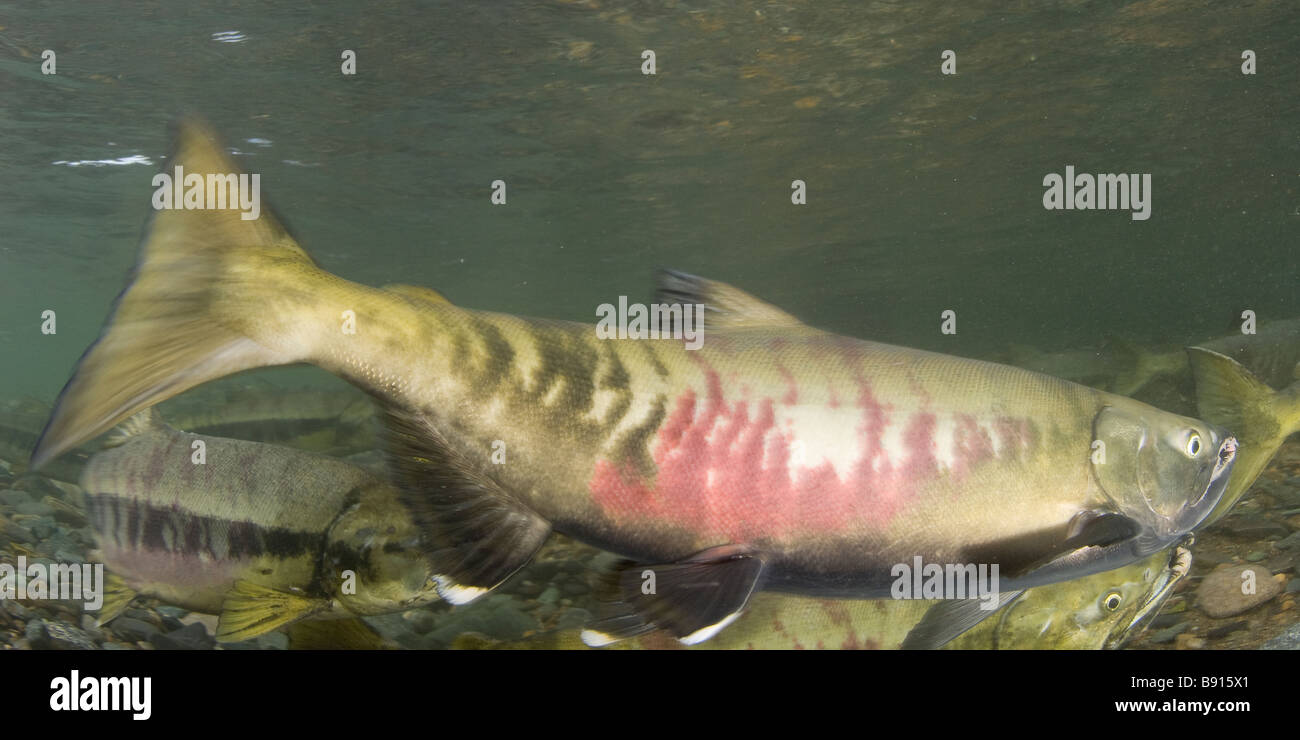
x=1193, y=445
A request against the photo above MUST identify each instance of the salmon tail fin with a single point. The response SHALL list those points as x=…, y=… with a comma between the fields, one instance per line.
x=203, y=277
x=1231, y=396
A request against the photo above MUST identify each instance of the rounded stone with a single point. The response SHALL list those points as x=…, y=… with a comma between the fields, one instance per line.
x=1226, y=593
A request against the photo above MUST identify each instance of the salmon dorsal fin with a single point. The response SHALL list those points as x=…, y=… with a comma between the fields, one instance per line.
x=725, y=306
x=144, y=422
x=418, y=293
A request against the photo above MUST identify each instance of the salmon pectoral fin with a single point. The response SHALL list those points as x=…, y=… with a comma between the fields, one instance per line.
x=1021, y=555
x=475, y=533
x=948, y=619
x=335, y=634
x=251, y=610
x=117, y=597
x=692, y=599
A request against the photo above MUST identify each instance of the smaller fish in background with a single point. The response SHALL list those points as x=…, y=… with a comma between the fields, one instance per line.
x=1119, y=366
x=1136, y=367
x=1248, y=384
x=1272, y=353
x=264, y=536
x=1089, y=366
x=332, y=422
x=1105, y=611
x=1162, y=377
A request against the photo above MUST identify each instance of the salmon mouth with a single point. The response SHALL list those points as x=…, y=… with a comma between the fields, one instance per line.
x=1222, y=469
x=1201, y=507
x=1180, y=562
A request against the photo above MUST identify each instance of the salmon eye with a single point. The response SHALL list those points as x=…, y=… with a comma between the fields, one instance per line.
x=1193, y=445
x=1112, y=601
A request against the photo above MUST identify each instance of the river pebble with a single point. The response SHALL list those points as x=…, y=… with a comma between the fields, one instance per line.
x=1221, y=592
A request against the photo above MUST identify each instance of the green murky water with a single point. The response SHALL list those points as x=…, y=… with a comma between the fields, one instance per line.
x=924, y=190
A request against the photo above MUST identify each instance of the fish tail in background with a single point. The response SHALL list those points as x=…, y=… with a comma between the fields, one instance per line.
x=1262, y=418
x=209, y=296
x=1139, y=366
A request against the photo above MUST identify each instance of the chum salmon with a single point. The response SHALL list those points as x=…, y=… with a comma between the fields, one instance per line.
x=1102, y=611
x=776, y=455
x=263, y=536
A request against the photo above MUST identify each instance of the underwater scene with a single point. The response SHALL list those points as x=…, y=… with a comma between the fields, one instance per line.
x=609, y=324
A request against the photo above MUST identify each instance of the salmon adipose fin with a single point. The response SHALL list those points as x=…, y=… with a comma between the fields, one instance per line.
x=1230, y=395
x=117, y=597
x=251, y=610
x=949, y=619
x=180, y=320
x=691, y=599
x=477, y=534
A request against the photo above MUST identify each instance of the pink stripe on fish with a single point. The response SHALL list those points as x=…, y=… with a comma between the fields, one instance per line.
x=1016, y=437
x=971, y=445
x=188, y=569
x=792, y=389
x=725, y=468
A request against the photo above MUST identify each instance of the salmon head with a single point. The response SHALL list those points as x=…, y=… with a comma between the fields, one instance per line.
x=1166, y=472
x=372, y=563
x=1104, y=610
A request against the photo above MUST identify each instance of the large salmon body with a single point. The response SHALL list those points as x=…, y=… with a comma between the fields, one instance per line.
x=774, y=455
x=261, y=535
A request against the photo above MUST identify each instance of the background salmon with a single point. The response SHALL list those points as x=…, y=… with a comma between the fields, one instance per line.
x=1271, y=354
x=327, y=421
x=777, y=455
x=1260, y=416
x=1244, y=383
x=1105, y=610
x=262, y=535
